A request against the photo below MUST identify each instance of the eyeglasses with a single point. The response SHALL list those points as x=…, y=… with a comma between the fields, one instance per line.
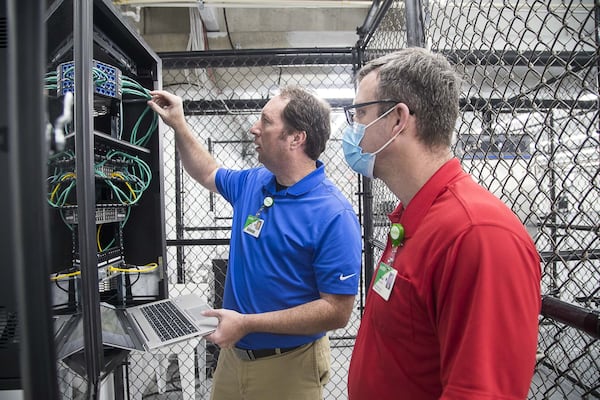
x=350, y=111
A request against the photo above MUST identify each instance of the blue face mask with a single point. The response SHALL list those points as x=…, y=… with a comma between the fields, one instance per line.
x=360, y=162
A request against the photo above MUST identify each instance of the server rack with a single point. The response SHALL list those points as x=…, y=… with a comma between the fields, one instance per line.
x=105, y=168
x=126, y=182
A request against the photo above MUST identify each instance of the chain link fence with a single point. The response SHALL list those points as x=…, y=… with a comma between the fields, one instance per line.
x=528, y=131
x=223, y=95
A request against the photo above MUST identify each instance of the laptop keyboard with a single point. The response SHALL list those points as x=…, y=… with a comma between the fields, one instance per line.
x=167, y=321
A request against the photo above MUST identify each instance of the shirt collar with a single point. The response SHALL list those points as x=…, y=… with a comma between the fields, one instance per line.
x=411, y=216
x=301, y=187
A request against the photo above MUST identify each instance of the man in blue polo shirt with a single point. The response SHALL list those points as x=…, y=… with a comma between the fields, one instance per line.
x=295, y=251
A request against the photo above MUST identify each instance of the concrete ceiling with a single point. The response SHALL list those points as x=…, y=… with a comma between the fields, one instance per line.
x=173, y=26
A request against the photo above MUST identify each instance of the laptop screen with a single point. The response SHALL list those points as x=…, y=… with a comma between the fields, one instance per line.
x=113, y=331
x=70, y=340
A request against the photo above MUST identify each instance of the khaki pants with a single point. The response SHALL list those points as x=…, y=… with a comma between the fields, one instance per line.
x=296, y=375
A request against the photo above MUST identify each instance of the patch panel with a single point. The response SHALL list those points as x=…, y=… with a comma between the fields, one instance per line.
x=107, y=79
x=104, y=214
x=110, y=257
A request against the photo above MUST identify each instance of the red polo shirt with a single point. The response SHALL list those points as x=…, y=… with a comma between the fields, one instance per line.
x=461, y=321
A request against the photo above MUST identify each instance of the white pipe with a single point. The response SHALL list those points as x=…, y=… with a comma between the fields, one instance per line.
x=248, y=3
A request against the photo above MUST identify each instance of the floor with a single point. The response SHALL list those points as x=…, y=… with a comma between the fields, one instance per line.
x=546, y=385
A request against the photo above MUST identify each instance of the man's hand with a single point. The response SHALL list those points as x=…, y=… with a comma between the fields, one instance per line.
x=169, y=107
x=230, y=330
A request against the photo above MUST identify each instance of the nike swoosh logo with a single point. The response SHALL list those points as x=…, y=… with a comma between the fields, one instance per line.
x=344, y=277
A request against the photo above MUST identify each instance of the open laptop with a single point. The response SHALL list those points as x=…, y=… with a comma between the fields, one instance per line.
x=143, y=328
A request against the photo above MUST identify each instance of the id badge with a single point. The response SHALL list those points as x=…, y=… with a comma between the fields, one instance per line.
x=384, y=280
x=253, y=225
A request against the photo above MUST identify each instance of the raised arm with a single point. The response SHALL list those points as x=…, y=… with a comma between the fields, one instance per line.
x=197, y=161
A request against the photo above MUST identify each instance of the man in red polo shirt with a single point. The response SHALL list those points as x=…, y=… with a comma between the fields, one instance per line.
x=452, y=312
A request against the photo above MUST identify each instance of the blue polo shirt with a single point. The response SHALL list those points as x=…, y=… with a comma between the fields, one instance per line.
x=310, y=242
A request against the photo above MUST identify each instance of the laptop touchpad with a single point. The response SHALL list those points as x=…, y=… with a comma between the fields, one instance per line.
x=196, y=313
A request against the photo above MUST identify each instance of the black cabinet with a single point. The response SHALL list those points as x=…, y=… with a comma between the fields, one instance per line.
x=83, y=200
x=126, y=160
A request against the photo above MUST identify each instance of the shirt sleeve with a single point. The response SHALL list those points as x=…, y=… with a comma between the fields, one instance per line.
x=230, y=183
x=488, y=306
x=338, y=257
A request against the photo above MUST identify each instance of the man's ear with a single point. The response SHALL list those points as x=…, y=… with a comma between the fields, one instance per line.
x=298, y=138
x=400, y=114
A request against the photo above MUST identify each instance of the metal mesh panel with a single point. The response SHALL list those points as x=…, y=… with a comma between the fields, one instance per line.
x=528, y=132
x=223, y=96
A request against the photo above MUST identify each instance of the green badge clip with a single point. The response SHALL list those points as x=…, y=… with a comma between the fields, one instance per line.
x=397, y=234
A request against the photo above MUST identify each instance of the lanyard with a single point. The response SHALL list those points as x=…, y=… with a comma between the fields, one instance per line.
x=397, y=237
x=267, y=202
x=386, y=274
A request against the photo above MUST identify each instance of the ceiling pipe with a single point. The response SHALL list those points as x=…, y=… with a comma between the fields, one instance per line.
x=247, y=3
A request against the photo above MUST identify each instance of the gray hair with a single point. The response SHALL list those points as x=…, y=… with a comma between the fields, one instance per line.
x=427, y=84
